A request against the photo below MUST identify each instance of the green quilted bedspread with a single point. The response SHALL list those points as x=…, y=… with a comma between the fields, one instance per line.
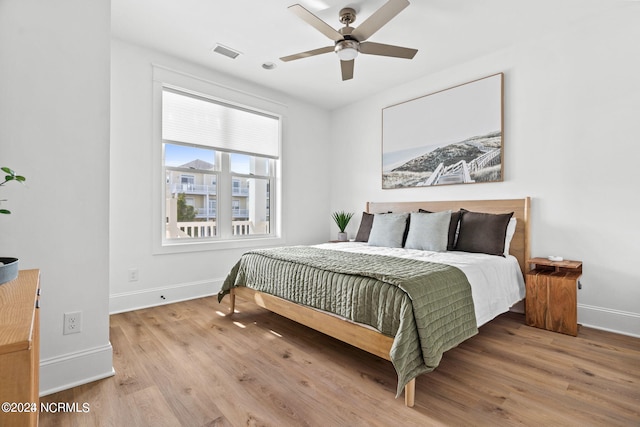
x=427, y=307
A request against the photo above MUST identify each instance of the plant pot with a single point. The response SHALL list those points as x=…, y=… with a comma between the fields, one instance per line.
x=8, y=269
x=342, y=237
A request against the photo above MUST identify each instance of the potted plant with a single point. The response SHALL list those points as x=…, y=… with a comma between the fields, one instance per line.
x=9, y=266
x=342, y=219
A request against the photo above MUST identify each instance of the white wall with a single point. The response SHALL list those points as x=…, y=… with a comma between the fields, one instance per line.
x=572, y=126
x=305, y=185
x=54, y=129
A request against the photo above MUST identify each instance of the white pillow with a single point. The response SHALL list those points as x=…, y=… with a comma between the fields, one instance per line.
x=429, y=231
x=388, y=230
x=511, y=230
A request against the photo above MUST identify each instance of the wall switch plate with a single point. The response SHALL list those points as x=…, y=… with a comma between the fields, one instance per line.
x=72, y=323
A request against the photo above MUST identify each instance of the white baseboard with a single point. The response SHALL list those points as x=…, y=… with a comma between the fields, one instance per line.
x=129, y=301
x=606, y=319
x=74, y=369
x=621, y=322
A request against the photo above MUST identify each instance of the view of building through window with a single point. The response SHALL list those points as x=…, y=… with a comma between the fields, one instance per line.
x=192, y=192
x=212, y=191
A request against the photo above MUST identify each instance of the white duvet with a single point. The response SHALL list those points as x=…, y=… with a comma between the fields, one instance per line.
x=496, y=282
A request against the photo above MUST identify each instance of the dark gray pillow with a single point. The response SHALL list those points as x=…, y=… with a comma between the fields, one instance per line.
x=453, y=228
x=482, y=232
x=365, y=227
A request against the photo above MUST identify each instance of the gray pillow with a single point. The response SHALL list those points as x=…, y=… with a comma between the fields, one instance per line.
x=453, y=228
x=429, y=231
x=388, y=229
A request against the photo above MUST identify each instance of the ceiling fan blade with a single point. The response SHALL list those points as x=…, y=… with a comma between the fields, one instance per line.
x=371, y=48
x=380, y=17
x=308, y=53
x=316, y=22
x=347, y=69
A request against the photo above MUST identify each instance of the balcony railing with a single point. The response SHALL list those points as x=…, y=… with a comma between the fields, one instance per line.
x=193, y=188
x=205, y=189
x=240, y=191
x=206, y=213
x=202, y=229
x=212, y=212
x=240, y=213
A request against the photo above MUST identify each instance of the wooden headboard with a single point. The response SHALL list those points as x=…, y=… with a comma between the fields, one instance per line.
x=520, y=208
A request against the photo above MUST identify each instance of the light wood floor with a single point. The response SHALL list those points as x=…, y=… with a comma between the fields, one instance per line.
x=187, y=364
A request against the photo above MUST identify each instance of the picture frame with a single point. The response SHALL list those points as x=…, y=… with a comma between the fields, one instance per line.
x=453, y=136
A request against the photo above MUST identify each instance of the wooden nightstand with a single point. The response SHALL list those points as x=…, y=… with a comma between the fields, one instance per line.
x=551, y=301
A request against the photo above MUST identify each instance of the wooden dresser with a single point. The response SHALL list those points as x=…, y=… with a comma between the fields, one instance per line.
x=20, y=350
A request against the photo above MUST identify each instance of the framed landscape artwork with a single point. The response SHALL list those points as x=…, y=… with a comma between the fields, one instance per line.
x=453, y=136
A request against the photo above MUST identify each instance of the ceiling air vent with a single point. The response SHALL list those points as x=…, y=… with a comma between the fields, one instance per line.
x=226, y=51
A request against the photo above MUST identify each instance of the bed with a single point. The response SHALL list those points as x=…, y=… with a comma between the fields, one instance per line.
x=477, y=272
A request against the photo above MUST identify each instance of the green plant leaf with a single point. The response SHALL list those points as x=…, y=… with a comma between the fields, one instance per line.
x=342, y=219
x=11, y=176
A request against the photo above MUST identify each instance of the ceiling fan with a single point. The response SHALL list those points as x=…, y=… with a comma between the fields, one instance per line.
x=350, y=41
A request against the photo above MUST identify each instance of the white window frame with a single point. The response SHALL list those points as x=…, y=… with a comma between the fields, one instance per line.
x=164, y=77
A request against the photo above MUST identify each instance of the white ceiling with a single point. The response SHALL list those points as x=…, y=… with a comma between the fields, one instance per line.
x=445, y=32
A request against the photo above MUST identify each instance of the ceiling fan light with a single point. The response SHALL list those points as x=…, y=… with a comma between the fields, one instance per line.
x=347, y=50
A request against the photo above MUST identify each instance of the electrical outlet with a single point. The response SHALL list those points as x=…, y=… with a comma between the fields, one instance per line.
x=133, y=274
x=72, y=323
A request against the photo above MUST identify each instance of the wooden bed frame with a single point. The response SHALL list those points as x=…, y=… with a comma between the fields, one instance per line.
x=365, y=338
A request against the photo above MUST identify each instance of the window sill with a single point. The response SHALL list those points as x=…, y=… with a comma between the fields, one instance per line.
x=177, y=247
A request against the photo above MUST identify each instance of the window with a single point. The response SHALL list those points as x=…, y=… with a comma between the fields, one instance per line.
x=187, y=182
x=220, y=162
